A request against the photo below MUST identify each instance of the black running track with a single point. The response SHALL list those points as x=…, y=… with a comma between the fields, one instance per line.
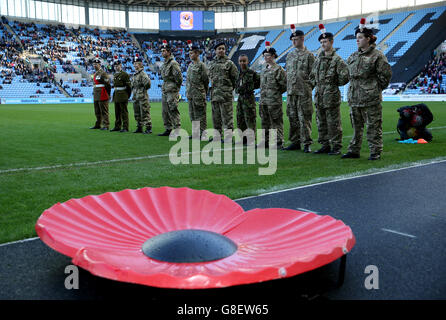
x=398, y=218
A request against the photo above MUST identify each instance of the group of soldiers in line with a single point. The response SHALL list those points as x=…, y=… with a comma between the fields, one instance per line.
x=366, y=69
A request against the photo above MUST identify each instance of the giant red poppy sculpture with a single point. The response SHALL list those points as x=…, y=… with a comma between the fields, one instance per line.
x=185, y=238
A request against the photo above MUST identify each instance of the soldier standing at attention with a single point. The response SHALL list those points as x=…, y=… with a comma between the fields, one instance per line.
x=328, y=73
x=273, y=84
x=248, y=80
x=370, y=74
x=101, y=95
x=172, y=80
x=141, y=106
x=299, y=63
x=123, y=90
x=223, y=74
x=197, y=84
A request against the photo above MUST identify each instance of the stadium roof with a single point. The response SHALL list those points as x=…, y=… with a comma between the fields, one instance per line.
x=192, y=3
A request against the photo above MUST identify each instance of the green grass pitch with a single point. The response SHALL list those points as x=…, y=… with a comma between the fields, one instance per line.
x=39, y=136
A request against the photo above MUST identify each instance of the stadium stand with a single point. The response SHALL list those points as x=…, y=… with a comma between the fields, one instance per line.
x=67, y=50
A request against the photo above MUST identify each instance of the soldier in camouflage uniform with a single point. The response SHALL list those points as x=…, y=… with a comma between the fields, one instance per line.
x=273, y=84
x=369, y=73
x=329, y=71
x=247, y=81
x=101, y=95
x=197, y=84
x=299, y=63
x=141, y=107
x=123, y=90
x=223, y=74
x=172, y=80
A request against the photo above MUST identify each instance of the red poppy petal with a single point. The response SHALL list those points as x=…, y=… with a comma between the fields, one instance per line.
x=130, y=217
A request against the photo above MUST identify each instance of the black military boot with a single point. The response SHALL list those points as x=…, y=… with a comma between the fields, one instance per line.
x=95, y=127
x=375, y=156
x=138, y=130
x=165, y=133
x=148, y=130
x=124, y=130
x=293, y=146
x=334, y=152
x=307, y=149
x=350, y=155
x=324, y=149
x=115, y=129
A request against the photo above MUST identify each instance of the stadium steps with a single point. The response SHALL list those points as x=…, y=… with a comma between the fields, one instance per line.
x=16, y=37
x=414, y=59
x=234, y=48
x=383, y=44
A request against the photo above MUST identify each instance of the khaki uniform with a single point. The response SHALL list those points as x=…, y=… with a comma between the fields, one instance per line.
x=328, y=73
x=123, y=89
x=369, y=73
x=246, y=104
x=273, y=84
x=197, y=84
x=172, y=80
x=299, y=103
x=101, y=82
x=223, y=74
x=141, y=106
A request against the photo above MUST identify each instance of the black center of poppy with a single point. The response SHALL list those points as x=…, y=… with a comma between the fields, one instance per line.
x=189, y=246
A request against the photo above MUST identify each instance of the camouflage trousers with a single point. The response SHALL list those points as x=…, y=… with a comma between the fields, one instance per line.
x=246, y=113
x=372, y=117
x=299, y=110
x=329, y=126
x=197, y=111
x=121, y=115
x=101, y=113
x=222, y=116
x=141, y=109
x=272, y=118
x=170, y=113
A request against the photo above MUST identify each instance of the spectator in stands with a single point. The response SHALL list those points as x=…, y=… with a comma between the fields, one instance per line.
x=370, y=74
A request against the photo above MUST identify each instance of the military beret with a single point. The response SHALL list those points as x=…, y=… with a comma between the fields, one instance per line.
x=219, y=44
x=192, y=47
x=362, y=29
x=295, y=33
x=324, y=33
x=116, y=61
x=166, y=46
x=137, y=58
x=269, y=50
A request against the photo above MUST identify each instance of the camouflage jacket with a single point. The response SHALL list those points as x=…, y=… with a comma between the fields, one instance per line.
x=197, y=80
x=247, y=81
x=272, y=84
x=298, y=68
x=140, y=85
x=123, y=87
x=328, y=73
x=102, y=80
x=223, y=74
x=370, y=74
x=172, y=76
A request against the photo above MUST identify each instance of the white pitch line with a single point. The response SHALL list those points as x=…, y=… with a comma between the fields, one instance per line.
x=348, y=177
x=400, y=233
x=18, y=241
x=85, y=164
